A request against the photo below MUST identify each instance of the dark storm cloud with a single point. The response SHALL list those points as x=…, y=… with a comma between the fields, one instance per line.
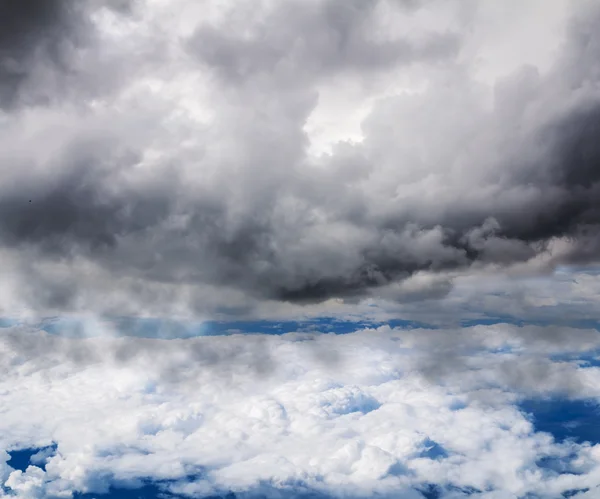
x=568, y=184
x=39, y=40
x=268, y=222
x=75, y=206
x=30, y=29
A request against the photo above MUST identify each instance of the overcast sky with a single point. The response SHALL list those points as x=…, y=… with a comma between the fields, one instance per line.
x=184, y=157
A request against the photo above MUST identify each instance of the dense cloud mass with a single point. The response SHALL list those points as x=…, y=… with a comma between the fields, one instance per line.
x=152, y=151
x=376, y=413
x=307, y=249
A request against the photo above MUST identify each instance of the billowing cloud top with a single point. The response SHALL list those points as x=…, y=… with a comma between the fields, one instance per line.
x=181, y=156
x=387, y=413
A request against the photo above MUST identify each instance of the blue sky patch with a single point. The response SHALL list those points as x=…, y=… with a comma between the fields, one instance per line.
x=564, y=419
x=154, y=327
x=148, y=491
x=22, y=458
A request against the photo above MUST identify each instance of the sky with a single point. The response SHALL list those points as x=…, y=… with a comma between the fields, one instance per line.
x=300, y=249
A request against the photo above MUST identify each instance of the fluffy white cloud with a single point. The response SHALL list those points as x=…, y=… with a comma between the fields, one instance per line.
x=378, y=411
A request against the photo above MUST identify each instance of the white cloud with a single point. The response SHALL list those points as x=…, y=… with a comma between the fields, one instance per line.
x=352, y=414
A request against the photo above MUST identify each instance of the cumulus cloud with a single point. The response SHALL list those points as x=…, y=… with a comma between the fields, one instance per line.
x=374, y=421
x=153, y=151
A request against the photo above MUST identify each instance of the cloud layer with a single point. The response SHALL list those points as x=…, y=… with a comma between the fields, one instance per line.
x=153, y=151
x=376, y=412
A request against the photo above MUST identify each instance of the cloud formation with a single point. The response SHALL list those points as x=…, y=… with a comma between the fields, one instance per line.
x=371, y=418
x=151, y=152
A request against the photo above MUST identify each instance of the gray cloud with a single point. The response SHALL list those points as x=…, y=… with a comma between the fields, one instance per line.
x=499, y=357
x=42, y=44
x=172, y=362
x=29, y=30
x=295, y=42
x=440, y=182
